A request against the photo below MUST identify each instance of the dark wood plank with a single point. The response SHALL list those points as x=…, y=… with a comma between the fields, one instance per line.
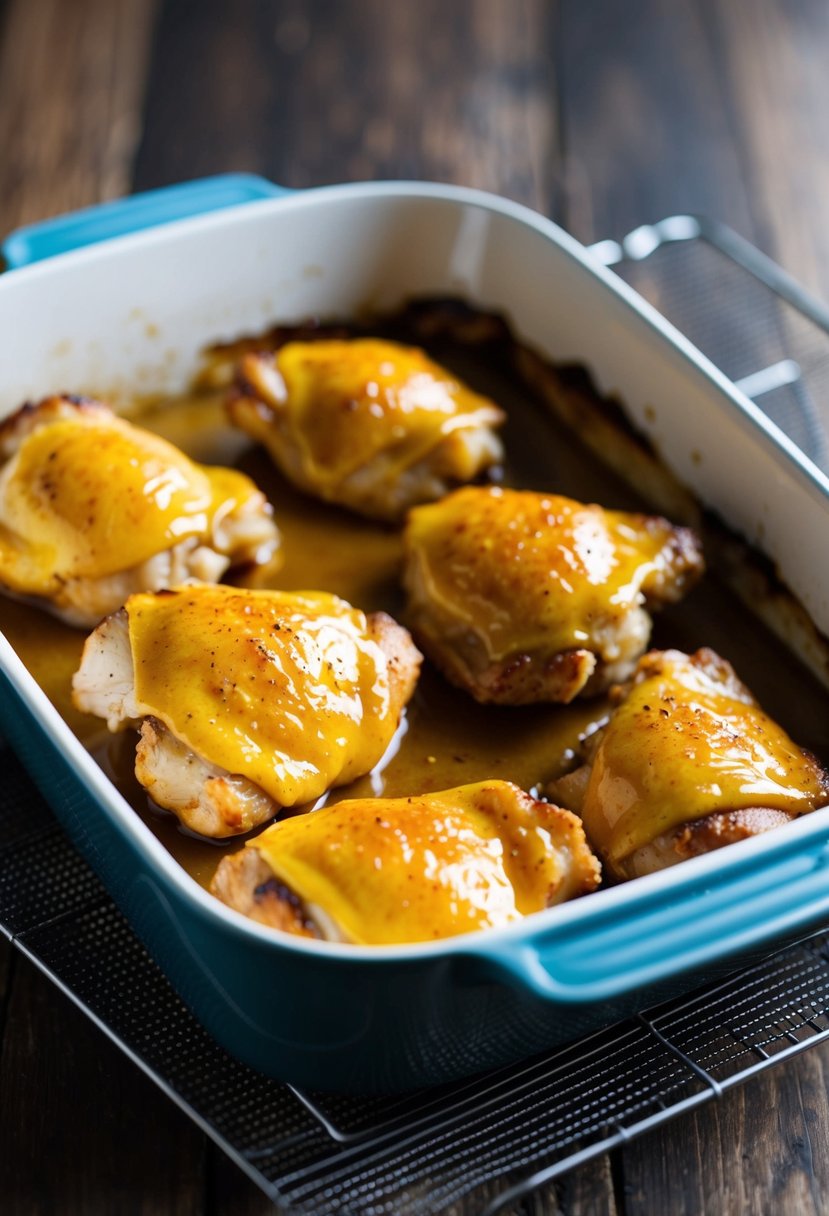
x=83, y=1130
x=6, y=956
x=306, y=98
x=779, y=1125
x=707, y=107
x=5, y=963
x=715, y=108
x=311, y=94
x=463, y=93
x=773, y=66
x=71, y=91
x=664, y=107
x=645, y=123
x=586, y=1191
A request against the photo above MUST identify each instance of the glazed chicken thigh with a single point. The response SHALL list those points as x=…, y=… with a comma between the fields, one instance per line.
x=521, y=597
x=369, y=424
x=247, y=701
x=390, y=870
x=93, y=509
x=687, y=763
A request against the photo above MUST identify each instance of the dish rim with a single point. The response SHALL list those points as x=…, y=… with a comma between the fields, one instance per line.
x=540, y=926
x=305, y=199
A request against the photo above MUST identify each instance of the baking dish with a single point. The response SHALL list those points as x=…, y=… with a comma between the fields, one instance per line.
x=133, y=313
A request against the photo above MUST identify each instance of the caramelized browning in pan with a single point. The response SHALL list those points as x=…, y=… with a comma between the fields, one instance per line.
x=450, y=739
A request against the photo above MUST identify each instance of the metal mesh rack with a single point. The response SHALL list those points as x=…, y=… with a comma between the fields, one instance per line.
x=753, y=320
x=499, y=1136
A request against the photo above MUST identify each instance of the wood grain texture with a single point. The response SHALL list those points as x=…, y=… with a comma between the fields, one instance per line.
x=605, y=115
x=586, y=1191
x=763, y=1148
x=671, y=108
x=312, y=94
x=647, y=130
x=6, y=963
x=88, y=1132
x=773, y=64
x=82, y=1130
x=71, y=90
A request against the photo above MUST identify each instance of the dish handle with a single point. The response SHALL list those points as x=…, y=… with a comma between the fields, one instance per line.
x=48, y=238
x=617, y=947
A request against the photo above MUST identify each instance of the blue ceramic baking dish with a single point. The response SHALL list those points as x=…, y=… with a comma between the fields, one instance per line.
x=122, y=299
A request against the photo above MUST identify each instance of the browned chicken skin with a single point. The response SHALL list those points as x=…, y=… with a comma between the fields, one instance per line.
x=687, y=763
x=521, y=597
x=246, y=882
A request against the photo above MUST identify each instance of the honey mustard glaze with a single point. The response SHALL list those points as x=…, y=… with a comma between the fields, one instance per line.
x=683, y=745
x=446, y=739
x=478, y=856
x=355, y=398
x=93, y=495
x=564, y=571
x=314, y=685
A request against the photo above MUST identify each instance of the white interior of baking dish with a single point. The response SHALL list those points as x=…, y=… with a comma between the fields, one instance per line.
x=132, y=315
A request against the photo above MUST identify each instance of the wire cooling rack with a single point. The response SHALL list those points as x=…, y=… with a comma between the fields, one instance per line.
x=754, y=321
x=497, y=1137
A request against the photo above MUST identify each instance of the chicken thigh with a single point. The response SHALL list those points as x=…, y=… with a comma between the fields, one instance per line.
x=687, y=763
x=380, y=871
x=370, y=424
x=521, y=597
x=247, y=701
x=93, y=509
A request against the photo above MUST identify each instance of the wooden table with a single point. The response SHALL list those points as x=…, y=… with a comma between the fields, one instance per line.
x=604, y=115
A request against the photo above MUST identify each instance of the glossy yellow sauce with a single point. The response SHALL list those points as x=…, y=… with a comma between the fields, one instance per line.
x=535, y=572
x=92, y=494
x=680, y=747
x=446, y=739
x=314, y=708
x=479, y=858
x=346, y=401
